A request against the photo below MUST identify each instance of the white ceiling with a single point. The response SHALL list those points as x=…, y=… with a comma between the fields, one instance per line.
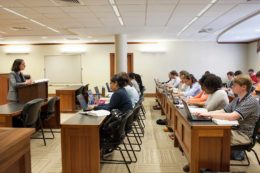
x=95, y=20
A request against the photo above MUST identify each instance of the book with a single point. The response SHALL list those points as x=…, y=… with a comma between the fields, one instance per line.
x=225, y=122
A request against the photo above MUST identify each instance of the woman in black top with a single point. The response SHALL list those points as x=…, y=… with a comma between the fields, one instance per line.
x=119, y=99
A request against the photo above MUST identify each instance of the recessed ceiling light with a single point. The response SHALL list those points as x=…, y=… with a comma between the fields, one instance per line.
x=44, y=37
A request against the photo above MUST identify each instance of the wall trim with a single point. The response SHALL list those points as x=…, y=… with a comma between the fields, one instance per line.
x=149, y=94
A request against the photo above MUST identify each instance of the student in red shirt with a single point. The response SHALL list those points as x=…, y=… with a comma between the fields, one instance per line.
x=252, y=75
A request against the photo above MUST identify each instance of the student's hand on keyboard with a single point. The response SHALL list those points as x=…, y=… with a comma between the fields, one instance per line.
x=203, y=114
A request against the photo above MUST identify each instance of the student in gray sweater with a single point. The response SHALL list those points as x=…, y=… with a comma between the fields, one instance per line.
x=217, y=98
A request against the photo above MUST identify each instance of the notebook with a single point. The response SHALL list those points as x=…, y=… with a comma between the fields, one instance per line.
x=191, y=116
x=82, y=102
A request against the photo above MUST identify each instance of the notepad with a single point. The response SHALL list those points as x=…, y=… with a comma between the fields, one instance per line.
x=225, y=122
x=97, y=113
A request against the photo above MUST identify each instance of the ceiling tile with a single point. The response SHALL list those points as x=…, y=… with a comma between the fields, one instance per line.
x=130, y=2
x=131, y=8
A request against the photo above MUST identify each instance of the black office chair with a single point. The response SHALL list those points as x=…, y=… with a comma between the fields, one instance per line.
x=49, y=113
x=30, y=115
x=248, y=147
x=112, y=135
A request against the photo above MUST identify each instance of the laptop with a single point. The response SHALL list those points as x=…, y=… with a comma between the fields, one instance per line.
x=108, y=88
x=91, y=98
x=191, y=116
x=82, y=102
x=97, y=91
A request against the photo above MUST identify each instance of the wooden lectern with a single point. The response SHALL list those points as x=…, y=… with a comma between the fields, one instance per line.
x=33, y=91
x=25, y=93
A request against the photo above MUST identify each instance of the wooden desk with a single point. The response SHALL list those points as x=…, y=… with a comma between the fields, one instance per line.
x=205, y=144
x=9, y=110
x=67, y=98
x=80, y=144
x=15, y=150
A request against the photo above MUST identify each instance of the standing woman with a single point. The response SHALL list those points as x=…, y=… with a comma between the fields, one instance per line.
x=16, y=78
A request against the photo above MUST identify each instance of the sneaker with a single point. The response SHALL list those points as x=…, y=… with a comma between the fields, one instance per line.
x=186, y=168
x=161, y=122
x=107, y=153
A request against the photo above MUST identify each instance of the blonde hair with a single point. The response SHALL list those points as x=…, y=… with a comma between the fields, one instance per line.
x=244, y=80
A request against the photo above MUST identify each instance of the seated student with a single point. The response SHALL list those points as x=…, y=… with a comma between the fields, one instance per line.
x=252, y=75
x=134, y=82
x=201, y=98
x=257, y=85
x=119, y=99
x=244, y=108
x=182, y=86
x=195, y=87
x=237, y=73
x=230, y=76
x=217, y=98
x=175, y=80
x=139, y=82
x=131, y=91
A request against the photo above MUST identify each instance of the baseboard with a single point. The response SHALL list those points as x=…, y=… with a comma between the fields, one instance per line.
x=149, y=94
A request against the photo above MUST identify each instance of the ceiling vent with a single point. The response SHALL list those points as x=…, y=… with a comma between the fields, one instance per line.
x=205, y=30
x=19, y=28
x=72, y=1
x=67, y=2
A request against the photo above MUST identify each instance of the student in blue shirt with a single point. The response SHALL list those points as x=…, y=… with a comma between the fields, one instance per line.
x=119, y=99
x=194, y=89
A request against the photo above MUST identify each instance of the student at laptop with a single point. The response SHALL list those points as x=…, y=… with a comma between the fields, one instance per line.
x=175, y=80
x=195, y=87
x=119, y=99
x=131, y=91
x=182, y=86
x=244, y=108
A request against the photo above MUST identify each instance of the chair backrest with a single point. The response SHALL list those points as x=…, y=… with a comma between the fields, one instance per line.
x=31, y=111
x=255, y=132
x=51, y=105
x=136, y=111
x=114, y=127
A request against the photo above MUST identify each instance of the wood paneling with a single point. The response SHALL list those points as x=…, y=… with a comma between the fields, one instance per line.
x=4, y=86
x=67, y=98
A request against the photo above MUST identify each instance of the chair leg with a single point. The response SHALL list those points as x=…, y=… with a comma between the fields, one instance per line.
x=256, y=156
x=126, y=164
x=42, y=133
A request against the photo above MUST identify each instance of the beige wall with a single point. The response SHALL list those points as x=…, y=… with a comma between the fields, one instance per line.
x=195, y=57
x=253, y=57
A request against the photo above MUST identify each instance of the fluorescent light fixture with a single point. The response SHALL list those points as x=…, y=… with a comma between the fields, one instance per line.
x=34, y=21
x=116, y=10
x=73, y=48
x=213, y=1
x=17, y=49
x=112, y=2
x=121, y=21
x=25, y=17
x=152, y=48
x=52, y=29
x=18, y=14
x=204, y=10
x=188, y=25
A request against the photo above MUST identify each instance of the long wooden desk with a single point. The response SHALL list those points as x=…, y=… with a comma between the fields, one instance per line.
x=205, y=144
x=9, y=110
x=80, y=144
x=15, y=150
x=67, y=98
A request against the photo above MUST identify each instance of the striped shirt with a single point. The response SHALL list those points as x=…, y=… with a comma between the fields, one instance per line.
x=248, y=109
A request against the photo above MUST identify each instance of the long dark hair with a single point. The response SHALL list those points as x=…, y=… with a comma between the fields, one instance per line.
x=16, y=65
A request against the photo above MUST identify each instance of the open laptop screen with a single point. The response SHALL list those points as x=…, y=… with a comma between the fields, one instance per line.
x=82, y=102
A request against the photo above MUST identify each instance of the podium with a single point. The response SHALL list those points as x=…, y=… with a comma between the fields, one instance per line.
x=33, y=91
x=25, y=93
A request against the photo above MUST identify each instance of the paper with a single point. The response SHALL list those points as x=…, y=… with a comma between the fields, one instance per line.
x=194, y=109
x=41, y=80
x=97, y=113
x=225, y=122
